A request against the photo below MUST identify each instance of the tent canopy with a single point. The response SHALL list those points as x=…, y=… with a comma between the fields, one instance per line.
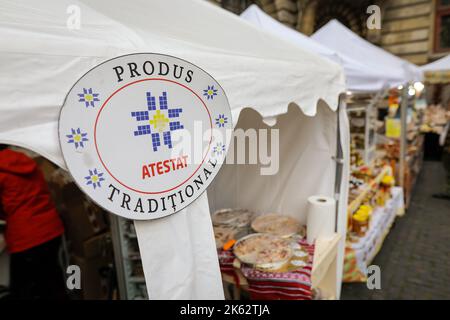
x=263, y=21
x=437, y=71
x=338, y=37
x=359, y=76
x=41, y=59
x=442, y=64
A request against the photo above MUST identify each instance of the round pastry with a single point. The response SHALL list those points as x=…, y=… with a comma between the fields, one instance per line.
x=280, y=225
x=223, y=234
x=265, y=251
x=232, y=217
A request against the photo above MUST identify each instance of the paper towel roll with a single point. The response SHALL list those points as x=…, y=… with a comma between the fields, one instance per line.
x=320, y=218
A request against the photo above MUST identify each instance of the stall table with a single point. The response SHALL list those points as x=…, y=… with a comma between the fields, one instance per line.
x=359, y=254
x=322, y=275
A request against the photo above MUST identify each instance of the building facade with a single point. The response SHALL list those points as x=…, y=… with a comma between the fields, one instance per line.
x=415, y=30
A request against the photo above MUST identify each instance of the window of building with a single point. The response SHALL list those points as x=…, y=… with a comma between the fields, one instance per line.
x=442, y=34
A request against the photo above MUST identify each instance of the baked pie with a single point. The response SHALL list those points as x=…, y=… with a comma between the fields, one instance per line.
x=223, y=234
x=232, y=217
x=263, y=250
x=280, y=225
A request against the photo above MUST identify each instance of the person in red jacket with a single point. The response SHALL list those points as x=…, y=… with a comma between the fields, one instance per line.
x=33, y=228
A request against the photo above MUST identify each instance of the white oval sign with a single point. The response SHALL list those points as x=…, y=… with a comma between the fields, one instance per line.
x=145, y=134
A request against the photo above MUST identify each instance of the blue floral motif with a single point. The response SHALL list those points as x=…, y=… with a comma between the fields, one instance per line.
x=94, y=178
x=88, y=97
x=210, y=92
x=77, y=137
x=221, y=121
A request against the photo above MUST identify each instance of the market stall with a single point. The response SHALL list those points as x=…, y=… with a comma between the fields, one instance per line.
x=307, y=147
x=337, y=36
x=374, y=162
x=45, y=57
x=437, y=71
x=359, y=75
x=361, y=250
x=366, y=87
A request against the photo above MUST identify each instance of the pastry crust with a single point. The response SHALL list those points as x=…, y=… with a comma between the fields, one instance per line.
x=280, y=225
x=232, y=217
x=223, y=234
x=263, y=249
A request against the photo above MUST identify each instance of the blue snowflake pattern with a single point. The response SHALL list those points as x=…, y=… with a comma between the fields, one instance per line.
x=77, y=137
x=94, y=178
x=158, y=125
x=210, y=92
x=221, y=121
x=88, y=97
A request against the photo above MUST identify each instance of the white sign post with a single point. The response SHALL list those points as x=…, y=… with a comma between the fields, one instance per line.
x=143, y=135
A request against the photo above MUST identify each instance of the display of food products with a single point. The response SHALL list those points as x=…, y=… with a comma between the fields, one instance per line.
x=264, y=251
x=388, y=181
x=435, y=118
x=361, y=219
x=280, y=225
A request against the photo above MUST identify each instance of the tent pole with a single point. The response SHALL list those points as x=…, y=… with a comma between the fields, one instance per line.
x=339, y=161
x=403, y=134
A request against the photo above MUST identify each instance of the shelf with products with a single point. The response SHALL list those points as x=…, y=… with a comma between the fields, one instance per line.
x=373, y=204
x=435, y=119
x=362, y=131
x=130, y=274
x=361, y=249
x=366, y=188
x=402, y=145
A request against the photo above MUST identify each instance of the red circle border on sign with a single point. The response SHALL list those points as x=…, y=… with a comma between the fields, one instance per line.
x=127, y=85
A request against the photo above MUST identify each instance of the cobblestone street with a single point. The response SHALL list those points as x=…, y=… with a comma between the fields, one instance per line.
x=415, y=257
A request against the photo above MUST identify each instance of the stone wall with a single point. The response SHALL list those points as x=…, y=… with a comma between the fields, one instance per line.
x=408, y=28
x=407, y=25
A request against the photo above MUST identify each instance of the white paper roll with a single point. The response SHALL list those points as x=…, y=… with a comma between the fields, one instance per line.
x=320, y=219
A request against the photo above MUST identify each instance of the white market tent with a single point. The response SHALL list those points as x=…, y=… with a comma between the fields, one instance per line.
x=41, y=59
x=359, y=76
x=442, y=64
x=437, y=71
x=338, y=37
x=263, y=21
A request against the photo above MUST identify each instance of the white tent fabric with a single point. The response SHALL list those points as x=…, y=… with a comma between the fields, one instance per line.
x=41, y=59
x=263, y=21
x=359, y=76
x=442, y=64
x=337, y=37
x=34, y=37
